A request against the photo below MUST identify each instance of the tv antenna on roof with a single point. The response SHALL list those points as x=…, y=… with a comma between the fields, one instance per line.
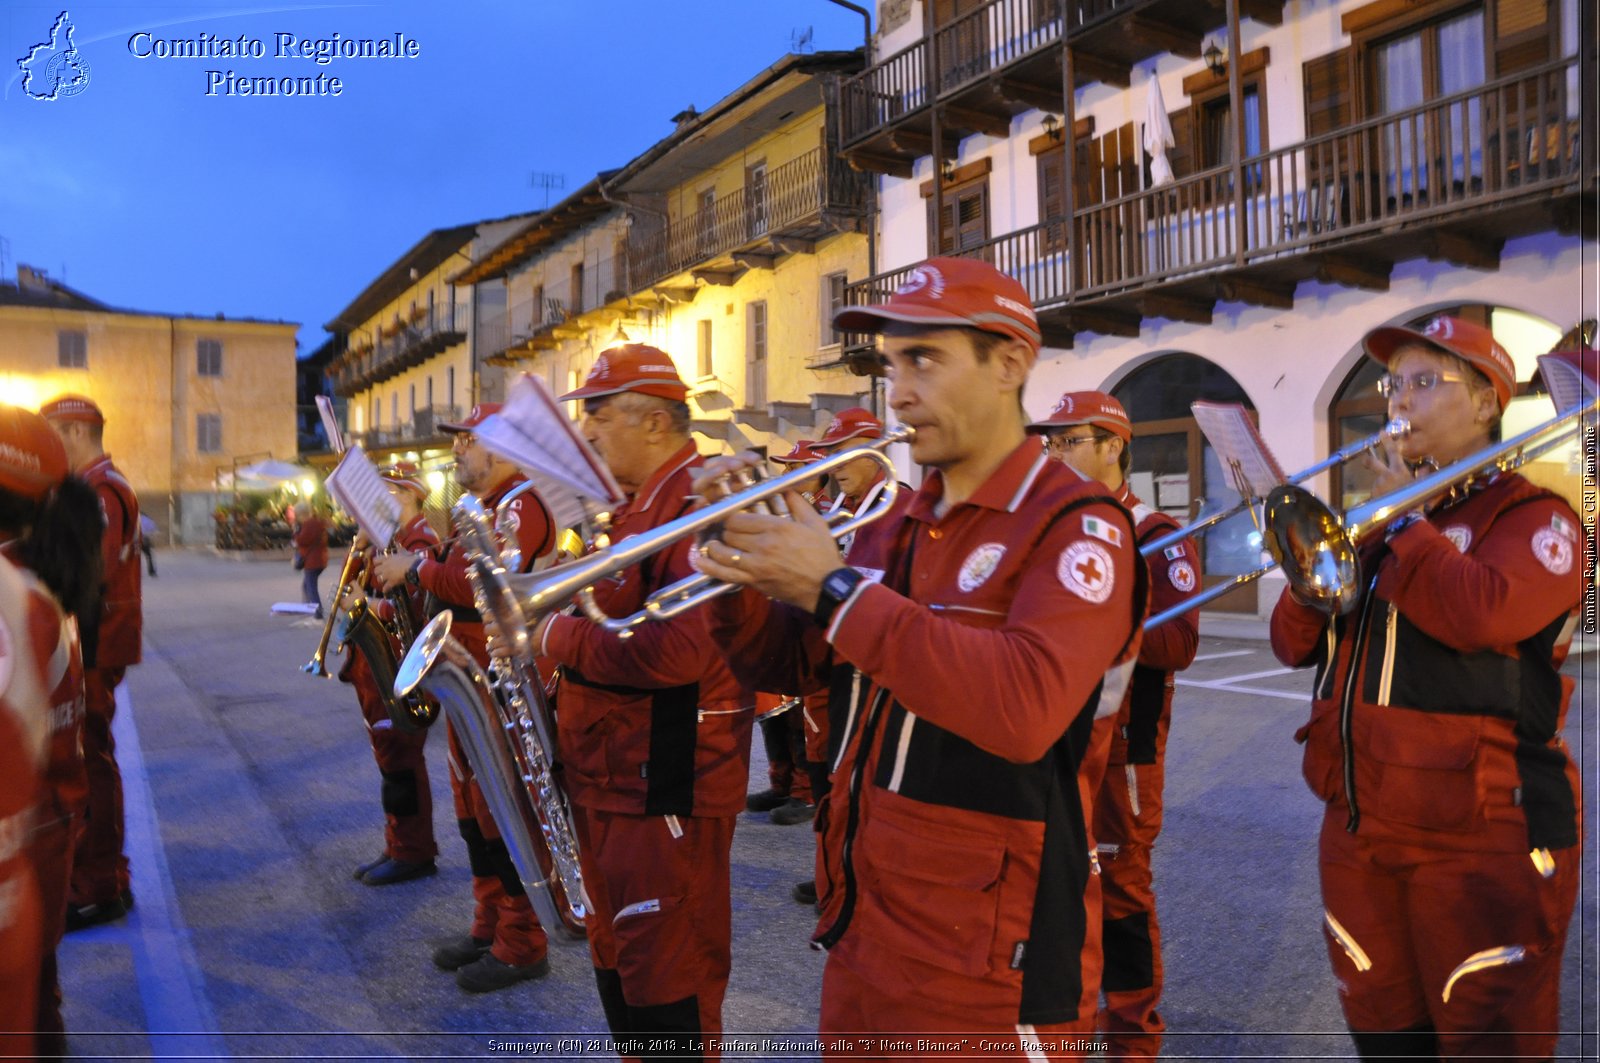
x=547, y=181
x=800, y=41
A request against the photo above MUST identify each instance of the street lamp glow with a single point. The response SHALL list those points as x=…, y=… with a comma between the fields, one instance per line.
x=308, y=487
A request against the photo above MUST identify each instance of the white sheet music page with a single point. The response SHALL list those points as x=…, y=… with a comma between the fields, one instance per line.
x=535, y=434
x=330, y=424
x=1231, y=433
x=356, y=485
x=1569, y=387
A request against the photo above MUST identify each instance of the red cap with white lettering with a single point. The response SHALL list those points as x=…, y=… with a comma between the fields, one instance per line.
x=32, y=459
x=479, y=414
x=1087, y=407
x=1455, y=336
x=632, y=367
x=957, y=292
x=852, y=423
x=72, y=408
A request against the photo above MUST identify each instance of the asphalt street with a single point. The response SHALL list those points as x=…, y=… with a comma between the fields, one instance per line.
x=252, y=794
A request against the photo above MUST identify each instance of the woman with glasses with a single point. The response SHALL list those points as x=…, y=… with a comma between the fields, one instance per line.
x=1449, y=849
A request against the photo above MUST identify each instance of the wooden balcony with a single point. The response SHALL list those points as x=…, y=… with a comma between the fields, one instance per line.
x=802, y=201
x=421, y=431
x=1005, y=58
x=435, y=329
x=1451, y=180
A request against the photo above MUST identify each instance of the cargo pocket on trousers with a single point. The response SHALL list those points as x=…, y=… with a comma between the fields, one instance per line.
x=1428, y=774
x=931, y=895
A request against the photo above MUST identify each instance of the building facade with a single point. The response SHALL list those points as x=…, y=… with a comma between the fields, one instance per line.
x=1334, y=166
x=187, y=399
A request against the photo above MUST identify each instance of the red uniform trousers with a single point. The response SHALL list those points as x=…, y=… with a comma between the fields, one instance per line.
x=1127, y=819
x=783, y=737
x=407, y=797
x=1410, y=917
x=99, y=870
x=662, y=916
x=500, y=913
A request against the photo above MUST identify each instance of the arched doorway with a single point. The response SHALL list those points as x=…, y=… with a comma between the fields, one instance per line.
x=1175, y=469
x=1358, y=411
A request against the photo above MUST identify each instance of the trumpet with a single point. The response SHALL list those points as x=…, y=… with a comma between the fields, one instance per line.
x=535, y=594
x=315, y=666
x=1316, y=545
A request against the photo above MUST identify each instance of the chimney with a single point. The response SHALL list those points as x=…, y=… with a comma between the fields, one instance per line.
x=32, y=280
x=685, y=116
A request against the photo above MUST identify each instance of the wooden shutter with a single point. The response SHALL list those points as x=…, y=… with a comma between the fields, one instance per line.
x=1180, y=156
x=965, y=217
x=1087, y=170
x=1328, y=97
x=1052, y=196
x=1119, y=163
x=1522, y=35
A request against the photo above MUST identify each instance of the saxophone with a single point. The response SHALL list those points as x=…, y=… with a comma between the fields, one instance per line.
x=359, y=626
x=504, y=722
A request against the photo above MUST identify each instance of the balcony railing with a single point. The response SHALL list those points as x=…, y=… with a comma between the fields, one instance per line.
x=423, y=426
x=1514, y=139
x=434, y=329
x=984, y=41
x=798, y=193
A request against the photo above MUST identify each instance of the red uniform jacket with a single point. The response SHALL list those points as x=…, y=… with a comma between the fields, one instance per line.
x=446, y=578
x=311, y=542
x=1437, y=705
x=954, y=850
x=117, y=641
x=1141, y=727
x=867, y=548
x=654, y=724
x=30, y=630
x=417, y=537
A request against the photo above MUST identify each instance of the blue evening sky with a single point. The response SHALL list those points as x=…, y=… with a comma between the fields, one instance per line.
x=144, y=192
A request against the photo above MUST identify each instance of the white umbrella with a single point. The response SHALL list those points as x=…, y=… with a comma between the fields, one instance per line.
x=1158, y=135
x=274, y=471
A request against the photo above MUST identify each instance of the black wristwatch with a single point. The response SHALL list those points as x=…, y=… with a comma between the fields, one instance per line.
x=411, y=573
x=836, y=587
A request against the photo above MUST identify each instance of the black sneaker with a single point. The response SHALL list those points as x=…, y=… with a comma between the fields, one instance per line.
x=458, y=953
x=371, y=865
x=765, y=801
x=391, y=871
x=805, y=892
x=80, y=916
x=486, y=974
x=793, y=811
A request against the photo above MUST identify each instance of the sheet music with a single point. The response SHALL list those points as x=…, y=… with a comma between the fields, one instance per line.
x=533, y=433
x=1231, y=433
x=1569, y=387
x=356, y=485
x=330, y=424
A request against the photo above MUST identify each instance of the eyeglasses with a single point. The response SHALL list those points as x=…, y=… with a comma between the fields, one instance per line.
x=1059, y=444
x=1390, y=386
x=463, y=440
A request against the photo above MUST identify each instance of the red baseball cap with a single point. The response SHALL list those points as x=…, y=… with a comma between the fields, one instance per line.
x=406, y=474
x=1470, y=342
x=853, y=423
x=32, y=459
x=957, y=292
x=477, y=416
x=1087, y=407
x=800, y=454
x=72, y=408
x=632, y=367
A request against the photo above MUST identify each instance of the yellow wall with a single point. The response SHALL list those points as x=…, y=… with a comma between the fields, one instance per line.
x=786, y=144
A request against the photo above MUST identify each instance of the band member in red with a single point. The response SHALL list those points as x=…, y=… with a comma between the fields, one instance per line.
x=654, y=736
x=506, y=944
x=788, y=798
x=409, y=848
x=1090, y=431
x=1450, y=846
x=955, y=853
x=100, y=889
x=50, y=538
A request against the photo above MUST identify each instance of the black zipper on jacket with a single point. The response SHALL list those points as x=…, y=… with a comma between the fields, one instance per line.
x=1345, y=709
x=830, y=937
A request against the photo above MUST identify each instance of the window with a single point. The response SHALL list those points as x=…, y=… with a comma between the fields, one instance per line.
x=706, y=219
x=703, y=348
x=208, y=357
x=1216, y=127
x=1412, y=68
x=833, y=285
x=72, y=350
x=575, y=297
x=208, y=433
x=394, y=409
x=755, y=197
x=430, y=392
x=962, y=218
x=450, y=385
x=755, y=355
x=413, y=402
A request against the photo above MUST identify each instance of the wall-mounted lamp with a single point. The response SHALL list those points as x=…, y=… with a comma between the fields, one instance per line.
x=1052, y=127
x=1216, y=59
x=947, y=169
x=619, y=337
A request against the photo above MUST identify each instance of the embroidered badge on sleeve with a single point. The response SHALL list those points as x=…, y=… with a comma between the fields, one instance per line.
x=1102, y=530
x=979, y=566
x=1182, y=576
x=1553, y=550
x=1086, y=569
x=1460, y=535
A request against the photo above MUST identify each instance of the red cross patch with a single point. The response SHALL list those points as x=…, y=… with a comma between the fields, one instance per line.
x=1553, y=550
x=1086, y=569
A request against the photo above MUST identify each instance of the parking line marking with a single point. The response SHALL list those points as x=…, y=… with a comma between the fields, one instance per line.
x=178, y=1017
x=1227, y=685
x=1219, y=656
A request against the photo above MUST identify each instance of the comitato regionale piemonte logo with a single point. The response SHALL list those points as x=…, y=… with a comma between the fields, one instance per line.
x=55, y=69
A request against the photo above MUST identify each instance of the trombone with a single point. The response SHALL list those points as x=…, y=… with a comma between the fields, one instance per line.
x=1316, y=545
x=314, y=667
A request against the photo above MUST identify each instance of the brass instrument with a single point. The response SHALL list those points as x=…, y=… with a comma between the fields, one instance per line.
x=315, y=666
x=535, y=594
x=359, y=627
x=1316, y=545
x=504, y=721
